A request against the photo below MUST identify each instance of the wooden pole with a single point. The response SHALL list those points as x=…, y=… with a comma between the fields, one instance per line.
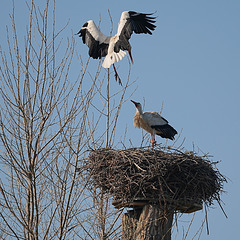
x=147, y=223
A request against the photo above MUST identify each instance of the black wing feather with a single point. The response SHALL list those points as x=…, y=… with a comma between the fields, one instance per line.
x=138, y=23
x=96, y=50
x=142, y=23
x=165, y=131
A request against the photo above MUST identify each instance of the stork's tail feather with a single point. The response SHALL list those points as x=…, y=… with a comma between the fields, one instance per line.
x=165, y=131
x=112, y=58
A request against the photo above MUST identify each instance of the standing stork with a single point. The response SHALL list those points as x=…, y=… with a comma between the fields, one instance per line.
x=112, y=48
x=153, y=123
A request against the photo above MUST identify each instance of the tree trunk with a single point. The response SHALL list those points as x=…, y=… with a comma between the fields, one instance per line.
x=147, y=223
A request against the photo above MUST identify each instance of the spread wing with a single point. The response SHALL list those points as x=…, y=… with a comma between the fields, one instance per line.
x=96, y=41
x=130, y=22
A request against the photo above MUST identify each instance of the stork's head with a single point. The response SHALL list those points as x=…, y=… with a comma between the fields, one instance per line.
x=137, y=105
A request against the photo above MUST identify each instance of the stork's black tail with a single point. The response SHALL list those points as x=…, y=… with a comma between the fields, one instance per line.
x=165, y=131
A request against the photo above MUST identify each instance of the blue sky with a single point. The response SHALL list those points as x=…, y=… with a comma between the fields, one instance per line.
x=191, y=64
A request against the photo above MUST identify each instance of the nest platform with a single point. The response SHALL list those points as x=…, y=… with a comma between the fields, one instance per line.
x=175, y=180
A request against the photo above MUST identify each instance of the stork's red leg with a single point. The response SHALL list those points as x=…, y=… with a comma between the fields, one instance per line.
x=117, y=76
x=153, y=140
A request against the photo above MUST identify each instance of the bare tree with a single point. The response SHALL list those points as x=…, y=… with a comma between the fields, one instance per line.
x=49, y=118
x=42, y=122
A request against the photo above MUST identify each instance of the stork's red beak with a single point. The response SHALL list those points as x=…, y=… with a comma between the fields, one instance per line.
x=135, y=103
x=130, y=54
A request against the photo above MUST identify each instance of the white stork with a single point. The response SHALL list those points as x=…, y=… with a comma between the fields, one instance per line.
x=112, y=48
x=153, y=123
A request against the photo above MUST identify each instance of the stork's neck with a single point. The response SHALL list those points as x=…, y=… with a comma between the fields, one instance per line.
x=139, y=109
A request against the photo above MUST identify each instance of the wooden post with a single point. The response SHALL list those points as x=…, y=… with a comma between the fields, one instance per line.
x=147, y=223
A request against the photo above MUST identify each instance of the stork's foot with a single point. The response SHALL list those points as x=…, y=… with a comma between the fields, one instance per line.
x=153, y=143
x=117, y=76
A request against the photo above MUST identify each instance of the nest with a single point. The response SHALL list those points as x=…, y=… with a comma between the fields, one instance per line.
x=171, y=178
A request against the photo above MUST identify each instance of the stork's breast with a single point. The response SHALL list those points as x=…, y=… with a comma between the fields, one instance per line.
x=138, y=122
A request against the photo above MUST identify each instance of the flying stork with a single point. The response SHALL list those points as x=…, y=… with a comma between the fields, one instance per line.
x=112, y=48
x=153, y=123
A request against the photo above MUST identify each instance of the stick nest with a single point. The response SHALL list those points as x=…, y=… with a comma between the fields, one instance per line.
x=170, y=178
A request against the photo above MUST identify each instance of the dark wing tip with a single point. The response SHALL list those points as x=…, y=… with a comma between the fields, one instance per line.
x=165, y=131
x=85, y=25
x=142, y=22
x=81, y=31
x=82, y=34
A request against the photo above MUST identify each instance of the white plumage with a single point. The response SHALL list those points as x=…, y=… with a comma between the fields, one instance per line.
x=153, y=123
x=112, y=56
x=113, y=48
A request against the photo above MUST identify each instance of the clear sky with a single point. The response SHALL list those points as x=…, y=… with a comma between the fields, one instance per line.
x=191, y=64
